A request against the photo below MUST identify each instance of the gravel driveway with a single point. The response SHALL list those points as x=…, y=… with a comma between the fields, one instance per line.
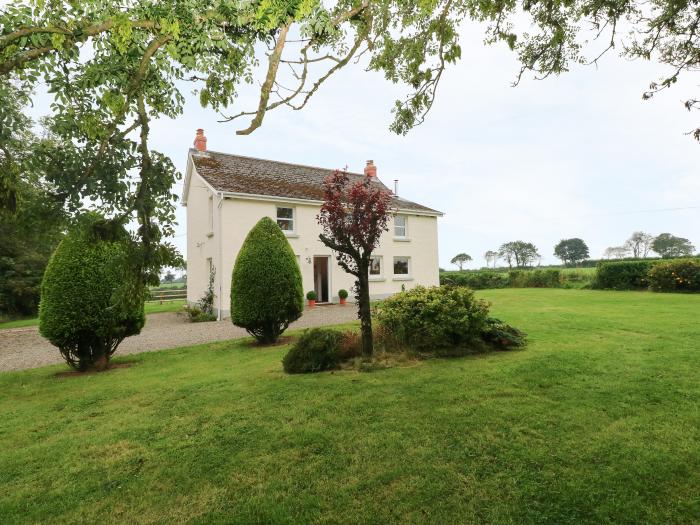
x=22, y=348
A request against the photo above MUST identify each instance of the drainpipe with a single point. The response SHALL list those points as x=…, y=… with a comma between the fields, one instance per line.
x=219, y=316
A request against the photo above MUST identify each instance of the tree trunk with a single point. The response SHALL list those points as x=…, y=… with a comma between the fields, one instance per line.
x=363, y=309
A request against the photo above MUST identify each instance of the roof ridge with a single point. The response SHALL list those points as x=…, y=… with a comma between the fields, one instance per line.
x=278, y=162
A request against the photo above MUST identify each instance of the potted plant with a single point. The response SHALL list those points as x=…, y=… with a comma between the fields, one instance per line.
x=311, y=296
x=343, y=295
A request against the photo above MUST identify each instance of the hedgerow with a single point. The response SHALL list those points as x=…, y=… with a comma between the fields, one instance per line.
x=623, y=275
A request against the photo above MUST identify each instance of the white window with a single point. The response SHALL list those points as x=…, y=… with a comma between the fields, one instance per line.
x=402, y=266
x=400, y=226
x=211, y=213
x=375, y=266
x=285, y=218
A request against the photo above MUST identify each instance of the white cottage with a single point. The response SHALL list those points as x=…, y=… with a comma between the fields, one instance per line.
x=226, y=195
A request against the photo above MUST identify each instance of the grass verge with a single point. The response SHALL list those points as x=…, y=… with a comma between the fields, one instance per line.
x=595, y=422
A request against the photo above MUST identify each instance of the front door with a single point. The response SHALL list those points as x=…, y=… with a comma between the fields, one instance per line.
x=321, y=275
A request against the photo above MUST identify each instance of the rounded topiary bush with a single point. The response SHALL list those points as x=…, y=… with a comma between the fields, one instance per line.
x=316, y=350
x=91, y=295
x=266, y=287
x=434, y=319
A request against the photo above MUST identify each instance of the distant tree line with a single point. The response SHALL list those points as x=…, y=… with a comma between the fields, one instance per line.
x=574, y=251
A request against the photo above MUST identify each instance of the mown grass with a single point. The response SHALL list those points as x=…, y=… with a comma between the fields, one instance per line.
x=152, y=307
x=597, y=421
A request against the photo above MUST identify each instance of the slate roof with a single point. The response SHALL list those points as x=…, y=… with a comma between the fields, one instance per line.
x=248, y=175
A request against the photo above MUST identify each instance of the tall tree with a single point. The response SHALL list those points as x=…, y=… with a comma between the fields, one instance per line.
x=353, y=218
x=668, y=245
x=616, y=252
x=460, y=260
x=571, y=251
x=491, y=257
x=520, y=252
x=31, y=219
x=114, y=67
x=639, y=244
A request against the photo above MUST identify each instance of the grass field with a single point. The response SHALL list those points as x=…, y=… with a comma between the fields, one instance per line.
x=597, y=421
x=152, y=307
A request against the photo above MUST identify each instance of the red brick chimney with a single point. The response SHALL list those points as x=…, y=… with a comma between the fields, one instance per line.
x=370, y=169
x=200, y=141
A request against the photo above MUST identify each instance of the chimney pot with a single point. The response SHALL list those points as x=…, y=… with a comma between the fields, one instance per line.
x=200, y=141
x=370, y=169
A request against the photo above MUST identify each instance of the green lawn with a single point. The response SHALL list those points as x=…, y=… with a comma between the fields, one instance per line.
x=597, y=421
x=152, y=307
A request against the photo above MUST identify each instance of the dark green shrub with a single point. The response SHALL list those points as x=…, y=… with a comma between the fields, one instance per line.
x=675, y=276
x=266, y=289
x=479, y=280
x=311, y=295
x=502, y=336
x=342, y=294
x=91, y=295
x=434, y=319
x=316, y=350
x=623, y=275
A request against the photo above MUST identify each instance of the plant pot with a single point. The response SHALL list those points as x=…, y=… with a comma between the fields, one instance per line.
x=312, y=303
x=343, y=300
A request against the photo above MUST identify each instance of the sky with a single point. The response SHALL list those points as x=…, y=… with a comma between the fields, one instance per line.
x=578, y=155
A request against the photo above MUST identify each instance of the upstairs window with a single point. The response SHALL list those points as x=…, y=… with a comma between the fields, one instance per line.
x=285, y=218
x=400, y=226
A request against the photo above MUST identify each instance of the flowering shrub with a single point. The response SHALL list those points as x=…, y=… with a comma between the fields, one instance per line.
x=681, y=275
x=434, y=319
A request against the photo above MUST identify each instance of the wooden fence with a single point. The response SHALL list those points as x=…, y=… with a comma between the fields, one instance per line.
x=164, y=296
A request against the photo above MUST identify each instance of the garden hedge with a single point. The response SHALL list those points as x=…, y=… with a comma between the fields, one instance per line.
x=266, y=286
x=623, y=275
x=91, y=295
x=480, y=280
x=549, y=278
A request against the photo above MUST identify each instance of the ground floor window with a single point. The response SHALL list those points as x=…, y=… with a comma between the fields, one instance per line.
x=402, y=265
x=375, y=265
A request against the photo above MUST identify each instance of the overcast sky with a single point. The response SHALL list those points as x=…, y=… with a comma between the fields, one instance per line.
x=579, y=155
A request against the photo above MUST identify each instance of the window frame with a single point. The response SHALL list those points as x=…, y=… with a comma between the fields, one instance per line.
x=292, y=219
x=405, y=226
x=377, y=276
x=402, y=276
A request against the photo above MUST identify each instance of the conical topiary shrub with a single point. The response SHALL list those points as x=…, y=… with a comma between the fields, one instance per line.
x=91, y=295
x=266, y=288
